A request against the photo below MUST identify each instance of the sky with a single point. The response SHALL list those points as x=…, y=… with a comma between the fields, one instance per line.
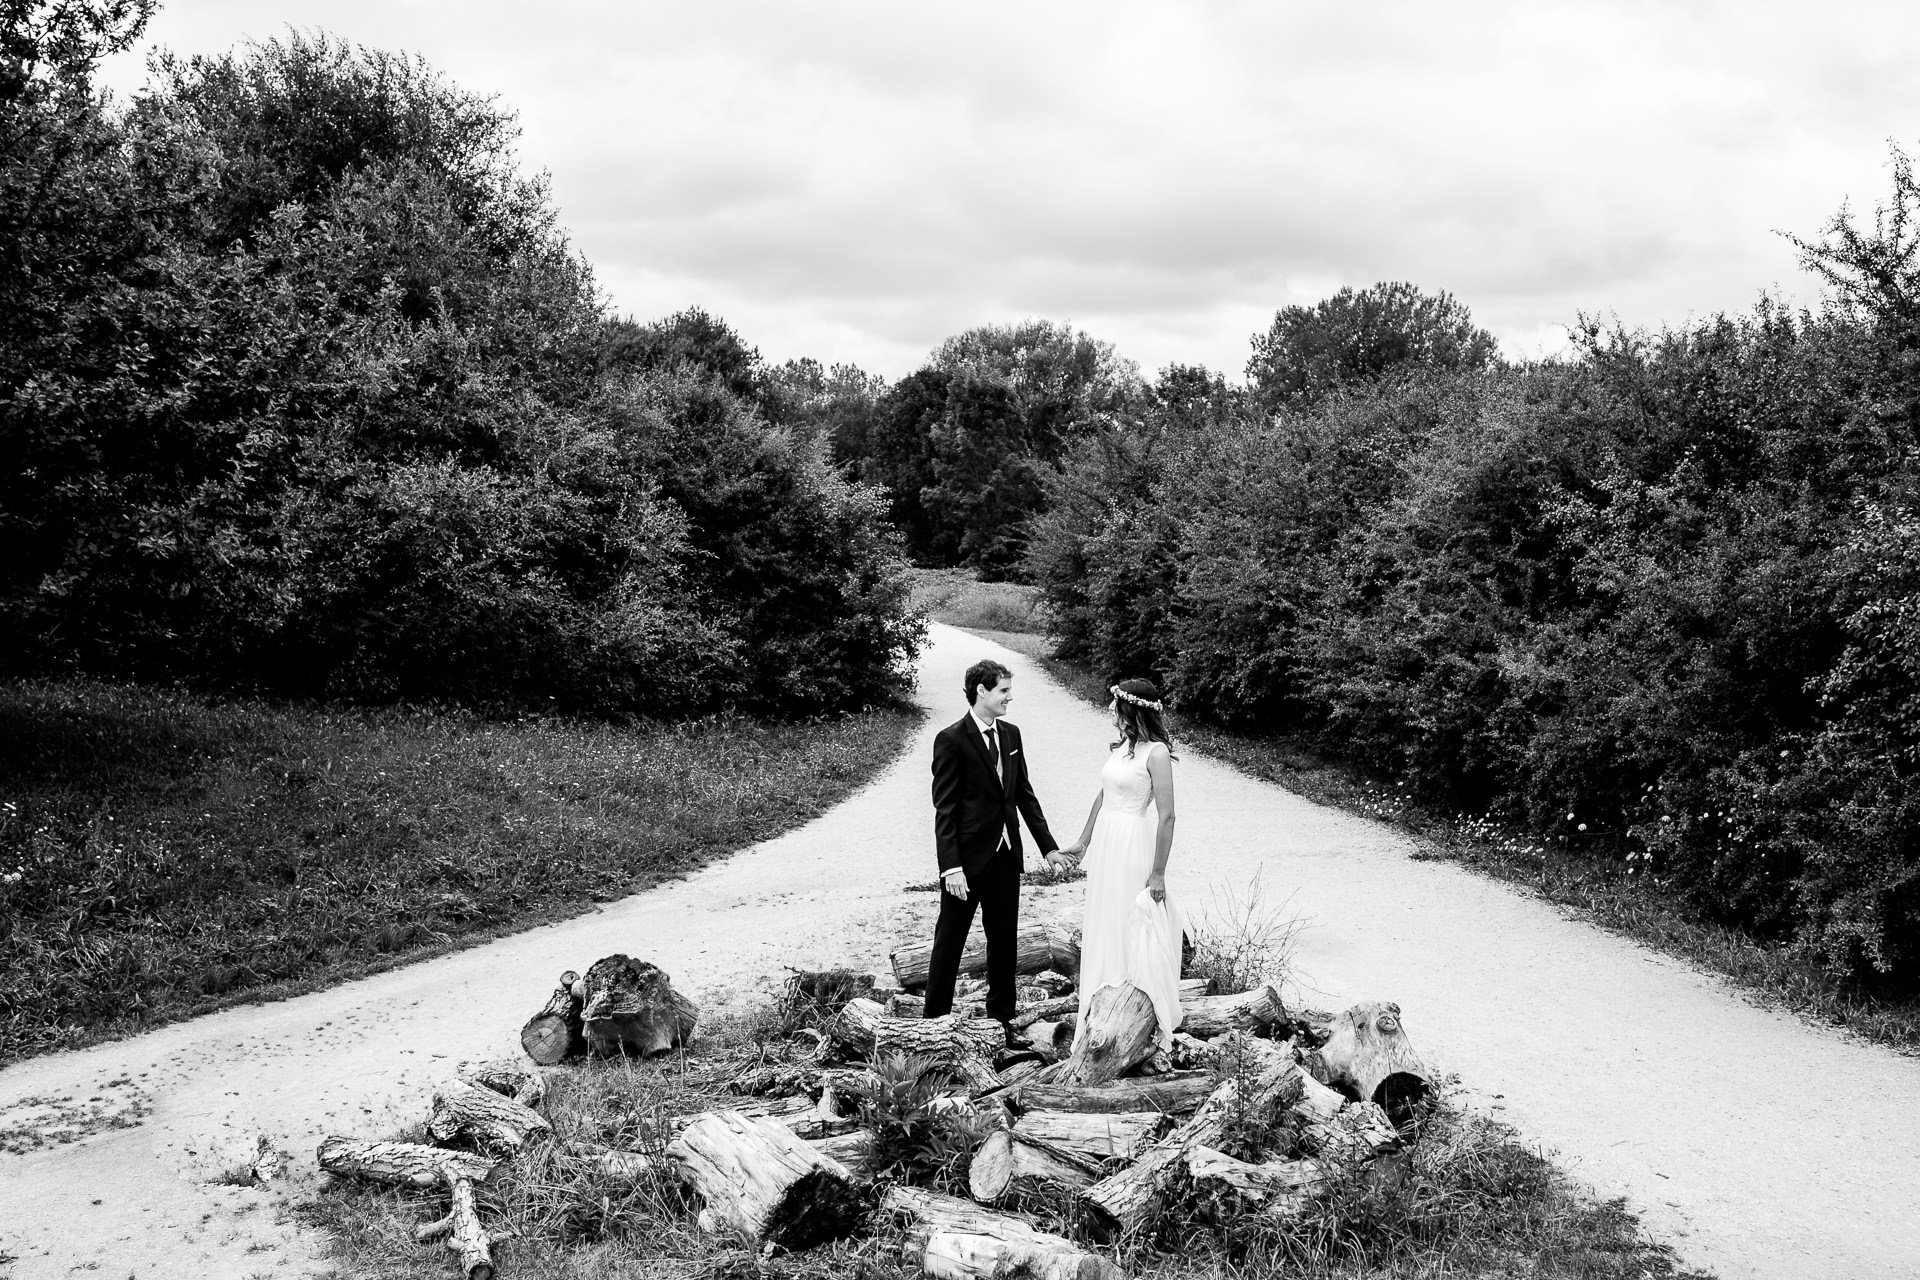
x=856, y=181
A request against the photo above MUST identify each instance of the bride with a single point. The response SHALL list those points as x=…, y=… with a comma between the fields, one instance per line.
x=1132, y=932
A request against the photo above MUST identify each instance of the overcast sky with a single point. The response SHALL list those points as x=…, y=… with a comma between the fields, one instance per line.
x=855, y=182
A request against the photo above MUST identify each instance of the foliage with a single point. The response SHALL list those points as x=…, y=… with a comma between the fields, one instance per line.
x=164, y=853
x=1652, y=604
x=1358, y=337
x=914, y=1140
x=304, y=391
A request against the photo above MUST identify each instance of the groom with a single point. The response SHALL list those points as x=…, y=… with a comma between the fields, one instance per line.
x=980, y=793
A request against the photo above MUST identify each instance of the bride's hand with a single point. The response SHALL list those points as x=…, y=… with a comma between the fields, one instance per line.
x=1157, y=886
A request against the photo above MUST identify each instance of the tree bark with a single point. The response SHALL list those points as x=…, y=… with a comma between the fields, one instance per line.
x=465, y=1236
x=1120, y=1030
x=1356, y=1133
x=1091, y=1138
x=850, y=1149
x=508, y=1076
x=763, y=1184
x=1258, y=1010
x=1044, y=1010
x=467, y=1113
x=401, y=1164
x=1369, y=1053
x=1176, y=1094
x=631, y=1006
x=864, y=1029
x=554, y=1034
x=1003, y=1165
x=1053, y=1040
x=1035, y=945
x=950, y=1239
x=1281, y=1188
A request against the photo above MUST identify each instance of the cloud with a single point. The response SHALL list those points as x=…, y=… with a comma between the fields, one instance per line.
x=857, y=181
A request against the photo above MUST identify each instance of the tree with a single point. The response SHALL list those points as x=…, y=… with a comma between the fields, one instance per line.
x=691, y=339
x=1358, y=337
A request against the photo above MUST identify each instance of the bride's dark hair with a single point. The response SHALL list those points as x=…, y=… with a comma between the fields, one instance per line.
x=1139, y=723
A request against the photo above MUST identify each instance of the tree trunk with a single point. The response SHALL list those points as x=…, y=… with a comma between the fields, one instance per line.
x=508, y=1076
x=554, y=1034
x=631, y=1006
x=1357, y=1132
x=1091, y=1138
x=1370, y=1054
x=1003, y=1165
x=1035, y=954
x=1120, y=1031
x=950, y=1239
x=1053, y=1040
x=763, y=1184
x=1227, y=1187
x=1176, y=1094
x=1257, y=1010
x=465, y=1236
x=401, y=1164
x=863, y=1029
x=850, y=1149
x=468, y=1113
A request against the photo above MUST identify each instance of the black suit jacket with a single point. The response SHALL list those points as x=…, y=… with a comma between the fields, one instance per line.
x=973, y=806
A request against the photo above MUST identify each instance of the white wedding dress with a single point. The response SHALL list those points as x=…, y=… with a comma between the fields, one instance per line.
x=1127, y=936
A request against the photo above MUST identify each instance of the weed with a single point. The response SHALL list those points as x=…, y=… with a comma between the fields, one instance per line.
x=1240, y=942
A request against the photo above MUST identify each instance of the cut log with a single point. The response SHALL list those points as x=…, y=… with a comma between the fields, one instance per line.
x=1368, y=1053
x=401, y=1164
x=1190, y=1052
x=554, y=1034
x=1126, y=1201
x=949, y=1239
x=1120, y=1030
x=1357, y=1132
x=508, y=1076
x=465, y=1236
x=763, y=1185
x=489, y=1122
x=864, y=1030
x=1034, y=953
x=905, y=1005
x=1175, y=1094
x=1054, y=1040
x=1227, y=1187
x=1045, y=1010
x=631, y=1007
x=850, y=1149
x=1063, y=940
x=1091, y=1138
x=1258, y=1010
x=1003, y=1166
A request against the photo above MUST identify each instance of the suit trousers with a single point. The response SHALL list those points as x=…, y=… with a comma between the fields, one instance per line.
x=996, y=892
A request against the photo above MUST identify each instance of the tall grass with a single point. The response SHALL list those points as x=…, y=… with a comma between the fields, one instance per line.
x=164, y=853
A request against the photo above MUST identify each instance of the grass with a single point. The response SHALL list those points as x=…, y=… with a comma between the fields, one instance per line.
x=1473, y=1200
x=1603, y=893
x=164, y=853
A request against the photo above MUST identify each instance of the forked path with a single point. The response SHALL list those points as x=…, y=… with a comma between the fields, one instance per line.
x=1757, y=1145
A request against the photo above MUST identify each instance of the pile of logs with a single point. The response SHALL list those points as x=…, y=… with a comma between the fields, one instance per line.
x=1094, y=1109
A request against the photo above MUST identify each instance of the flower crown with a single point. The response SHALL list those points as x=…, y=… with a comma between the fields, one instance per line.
x=1137, y=701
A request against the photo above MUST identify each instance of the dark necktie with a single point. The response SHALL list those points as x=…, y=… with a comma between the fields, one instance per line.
x=993, y=746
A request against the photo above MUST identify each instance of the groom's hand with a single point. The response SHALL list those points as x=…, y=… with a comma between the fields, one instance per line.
x=1058, y=862
x=955, y=884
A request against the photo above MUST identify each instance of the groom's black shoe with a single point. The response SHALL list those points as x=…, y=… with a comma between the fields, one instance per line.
x=1015, y=1040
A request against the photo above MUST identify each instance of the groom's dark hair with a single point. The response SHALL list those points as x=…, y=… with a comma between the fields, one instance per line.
x=984, y=672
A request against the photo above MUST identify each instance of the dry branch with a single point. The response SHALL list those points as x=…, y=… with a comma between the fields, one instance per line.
x=467, y=1113
x=1176, y=1094
x=465, y=1236
x=401, y=1164
x=1258, y=1010
x=508, y=1076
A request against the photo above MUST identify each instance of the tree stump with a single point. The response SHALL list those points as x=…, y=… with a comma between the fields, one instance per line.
x=1091, y=1138
x=1175, y=1094
x=554, y=1034
x=949, y=1239
x=1368, y=1053
x=1258, y=1011
x=401, y=1164
x=1034, y=954
x=630, y=1006
x=864, y=1030
x=465, y=1236
x=764, y=1185
x=481, y=1117
x=1120, y=1030
x=507, y=1076
x=1003, y=1166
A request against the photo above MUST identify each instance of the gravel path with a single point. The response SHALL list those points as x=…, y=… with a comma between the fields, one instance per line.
x=1757, y=1145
